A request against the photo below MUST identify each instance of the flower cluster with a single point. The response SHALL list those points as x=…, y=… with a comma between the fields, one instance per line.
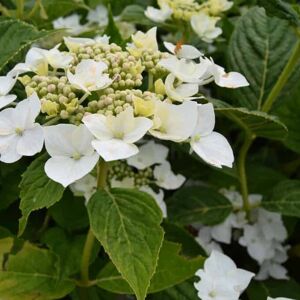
x=96, y=86
x=263, y=235
x=202, y=17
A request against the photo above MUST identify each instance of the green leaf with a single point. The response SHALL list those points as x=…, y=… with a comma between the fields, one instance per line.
x=172, y=269
x=127, y=224
x=273, y=288
x=280, y=9
x=256, y=122
x=182, y=291
x=112, y=30
x=285, y=198
x=259, y=48
x=32, y=273
x=68, y=248
x=5, y=247
x=289, y=112
x=37, y=190
x=70, y=212
x=16, y=36
x=198, y=204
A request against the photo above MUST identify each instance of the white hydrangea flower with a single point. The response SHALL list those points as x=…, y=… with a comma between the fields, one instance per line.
x=89, y=76
x=70, y=23
x=205, y=27
x=181, y=92
x=183, y=51
x=174, y=122
x=35, y=61
x=72, y=155
x=19, y=134
x=221, y=279
x=146, y=40
x=165, y=178
x=158, y=197
x=86, y=187
x=159, y=15
x=57, y=59
x=204, y=239
x=216, y=7
x=99, y=15
x=183, y=69
x=211, y=146
x=74, y=43
x=6, y=84
x=150, y=154
x=116, y=135
x=217, y=74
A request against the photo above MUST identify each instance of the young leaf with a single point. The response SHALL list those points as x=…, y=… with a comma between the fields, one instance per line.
x=280, y=9
x=259, y=48
x=285, y=198
x=127, y=224
x=198, y=204
x=16, y=36
x=32, y=273
x=172, y=269
x=37, y=190
x=258, y=123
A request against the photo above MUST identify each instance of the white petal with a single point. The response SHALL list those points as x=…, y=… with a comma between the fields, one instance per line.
x=73, y=43
x=5, y=100
x=31, y=141
x=65, y=170
x=141, y=126
x=82, y=140
x=214, y=149
x=7, y=124
x=8, y=152
x=114, y=149
x=96, y=124
x=19, y=69
x=205, y=121
x=158, y=15
x=183, y=51
x=6, y=84
x=231, y=80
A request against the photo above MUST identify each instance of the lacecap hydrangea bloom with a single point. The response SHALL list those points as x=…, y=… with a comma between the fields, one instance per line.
x=90, y=103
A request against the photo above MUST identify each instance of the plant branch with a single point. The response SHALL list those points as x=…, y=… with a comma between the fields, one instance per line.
x=20, y=9
x=283, y=78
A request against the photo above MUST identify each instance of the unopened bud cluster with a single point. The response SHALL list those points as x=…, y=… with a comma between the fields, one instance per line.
x=150, y=61
x=114, y=102
x=125, y=69
x=58, y=97
x=120, y=170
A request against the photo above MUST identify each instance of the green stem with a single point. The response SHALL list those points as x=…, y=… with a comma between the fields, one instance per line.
x=284, y=76
x=20, y=9
x=52, y=121
x=241, y=165
x=102, y=170
x=150, y=81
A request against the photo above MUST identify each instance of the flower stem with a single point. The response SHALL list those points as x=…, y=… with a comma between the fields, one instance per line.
x=102, y=170
x=241, y=166
x=51, y=121
x=150, y=81
x=283, y=78
x=83, y=98
x=20, y=9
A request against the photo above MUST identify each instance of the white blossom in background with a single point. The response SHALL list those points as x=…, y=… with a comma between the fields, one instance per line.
x=86, y=187
x=89, y=76
x=116, y=135
x=150, y=154
x=220, y=279
x=19, y=134
x=99, y=15
x=141, y=40
x=205, y=27
x=165, y=178
x=174, y=122
x=70, y=23
x=204, y=239
x=211, y=146
x=183, y=51
x=158, y=15
x=6, y=84
x=216, y=7
x=74, y=43
x=72, y=155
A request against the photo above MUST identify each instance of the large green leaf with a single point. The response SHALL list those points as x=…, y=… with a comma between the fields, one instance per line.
x=285, y=198
x=32, y=273
x=273, y=288
x=198, y=204
x=281, y=9
x=16, y=36
x=259, y=48
x=68, y=248
x=37, y=190
x=127, y=224
x=258, y=123
x=172, y=269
